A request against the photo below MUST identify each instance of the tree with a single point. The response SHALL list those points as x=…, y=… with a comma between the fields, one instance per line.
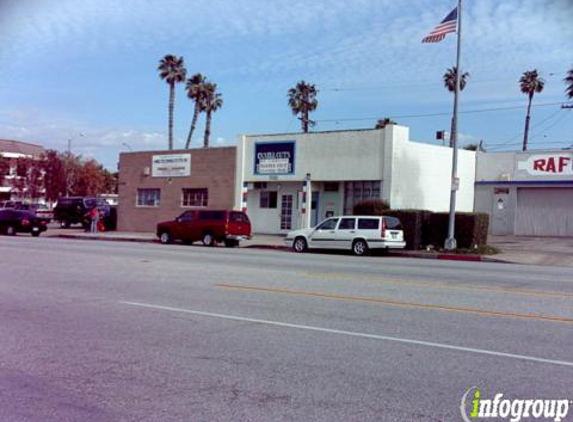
x=172, y=70
x=91, y=180
x=4, y=168
x=382, y=123
x=29, y=181
x=529, y=83
x=195, y=91
x=54, y=175
x=211, y=102
x=450, y=84
x=302, y=100
x=450, y=79
x=569, y=81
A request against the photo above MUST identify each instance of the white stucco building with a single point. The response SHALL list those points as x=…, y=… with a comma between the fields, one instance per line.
x=526, y=193
x=287, y=181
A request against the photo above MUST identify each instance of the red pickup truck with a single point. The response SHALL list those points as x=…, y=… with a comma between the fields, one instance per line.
x=209, y=226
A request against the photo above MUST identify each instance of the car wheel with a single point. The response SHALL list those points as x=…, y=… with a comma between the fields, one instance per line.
x=165, y=237
x=360, y=247
x=231, y=243
x=208, y=239
x=35, y=234
x=10, y=231
x=300, y=245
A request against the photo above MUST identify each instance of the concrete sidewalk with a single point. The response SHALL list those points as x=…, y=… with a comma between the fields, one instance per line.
x=534, y=250
x=514, y=249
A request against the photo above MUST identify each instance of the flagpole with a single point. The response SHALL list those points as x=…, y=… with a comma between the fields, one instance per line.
x=451, y=240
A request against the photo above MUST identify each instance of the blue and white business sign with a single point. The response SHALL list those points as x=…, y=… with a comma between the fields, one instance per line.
x=274, y=157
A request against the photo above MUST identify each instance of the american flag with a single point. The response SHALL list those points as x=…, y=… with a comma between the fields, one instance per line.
x=449, y=24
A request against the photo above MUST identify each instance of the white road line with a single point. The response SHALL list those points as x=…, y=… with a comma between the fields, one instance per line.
x=355, y=334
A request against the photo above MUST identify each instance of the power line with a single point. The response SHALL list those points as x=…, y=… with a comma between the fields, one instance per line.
x=411, y=116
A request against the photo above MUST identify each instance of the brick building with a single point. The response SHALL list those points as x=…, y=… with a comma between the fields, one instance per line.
x=159, y=185
x=12, y=151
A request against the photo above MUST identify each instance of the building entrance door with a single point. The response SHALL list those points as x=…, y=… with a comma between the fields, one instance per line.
x=314, y=214
x=286, y=212
x=500, y=222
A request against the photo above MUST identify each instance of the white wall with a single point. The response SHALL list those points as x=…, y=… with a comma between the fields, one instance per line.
x=421, y=175
x=328, y=156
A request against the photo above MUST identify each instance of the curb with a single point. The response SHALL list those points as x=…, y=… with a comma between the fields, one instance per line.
x=444, y=257
x=104, y=238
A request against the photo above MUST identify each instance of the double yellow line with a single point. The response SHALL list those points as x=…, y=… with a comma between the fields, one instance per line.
x=413, y=305
x=457, y=286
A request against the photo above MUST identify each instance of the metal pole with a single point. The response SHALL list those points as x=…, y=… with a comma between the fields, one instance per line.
x=451, y=240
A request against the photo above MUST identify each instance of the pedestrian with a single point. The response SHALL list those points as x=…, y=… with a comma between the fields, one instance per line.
x=94, y=219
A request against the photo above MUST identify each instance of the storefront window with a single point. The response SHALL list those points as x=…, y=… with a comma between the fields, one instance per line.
x=268, y=199
x=195, y=197
x=148, y=197
x=355, y=192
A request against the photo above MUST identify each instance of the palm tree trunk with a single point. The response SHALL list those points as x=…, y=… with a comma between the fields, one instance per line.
x=193, y=123
x=527, y=117
x=207, y=130
x=305, y=121
x=171, y=106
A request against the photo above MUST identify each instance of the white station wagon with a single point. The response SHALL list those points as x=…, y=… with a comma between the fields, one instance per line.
x=357, y=233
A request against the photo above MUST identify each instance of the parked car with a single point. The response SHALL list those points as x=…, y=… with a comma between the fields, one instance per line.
x=41, y=210
x=356, y=232
x=9, y=204
x=73, y=210
x=18, y=221
x=209, y=226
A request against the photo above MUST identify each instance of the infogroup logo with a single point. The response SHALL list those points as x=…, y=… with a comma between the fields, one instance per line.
x=474, y=407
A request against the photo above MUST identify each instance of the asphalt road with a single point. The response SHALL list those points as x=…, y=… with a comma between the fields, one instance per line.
x=111, y=331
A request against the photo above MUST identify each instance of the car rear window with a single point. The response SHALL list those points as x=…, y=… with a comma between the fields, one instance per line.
x=212, y=215
x=239, y=217
x=368, y=223
x=392, y=223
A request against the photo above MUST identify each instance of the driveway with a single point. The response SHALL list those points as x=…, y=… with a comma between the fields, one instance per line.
x=534, y=250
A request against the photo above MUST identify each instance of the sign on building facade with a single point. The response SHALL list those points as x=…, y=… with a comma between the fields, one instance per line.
x=171, y=165
x=559, y=164
x=274, y=157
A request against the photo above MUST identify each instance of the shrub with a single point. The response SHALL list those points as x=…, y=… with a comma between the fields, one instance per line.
x=371, y=207
x=470, y=229
x=414, y=223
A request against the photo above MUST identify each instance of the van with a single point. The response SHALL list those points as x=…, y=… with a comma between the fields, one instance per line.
x=209, y=226
x=73, y=209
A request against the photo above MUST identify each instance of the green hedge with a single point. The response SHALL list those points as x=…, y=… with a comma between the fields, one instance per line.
x=470, y=229
x=371, y=207
x=413, y=223
x=423, y=228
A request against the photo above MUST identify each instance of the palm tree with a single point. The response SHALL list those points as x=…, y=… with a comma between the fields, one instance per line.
x=569, y=81
x=529, y=83
x=211, y=101
x=450, y=84
x=195, y=91
x=172, y=70
x=450, y=79
x=302, y=100
x=382, y=123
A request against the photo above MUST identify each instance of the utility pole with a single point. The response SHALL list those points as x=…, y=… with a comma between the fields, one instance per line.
x=451, y=240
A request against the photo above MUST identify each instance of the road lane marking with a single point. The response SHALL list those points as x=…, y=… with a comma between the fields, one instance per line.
x=353, y=334
x=544, y=318
x=428, y=284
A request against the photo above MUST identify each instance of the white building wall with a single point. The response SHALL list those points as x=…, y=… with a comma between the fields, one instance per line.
x=421, y=175
x=328, y=156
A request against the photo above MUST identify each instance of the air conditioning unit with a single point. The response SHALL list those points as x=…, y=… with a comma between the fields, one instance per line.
x=146, y=171
x=504, y=177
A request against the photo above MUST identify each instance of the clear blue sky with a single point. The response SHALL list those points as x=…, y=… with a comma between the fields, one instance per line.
x=69, y=67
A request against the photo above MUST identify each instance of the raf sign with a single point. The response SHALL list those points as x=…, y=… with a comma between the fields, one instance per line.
x=171, y=165
x=272, y=158
x=560, y=164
